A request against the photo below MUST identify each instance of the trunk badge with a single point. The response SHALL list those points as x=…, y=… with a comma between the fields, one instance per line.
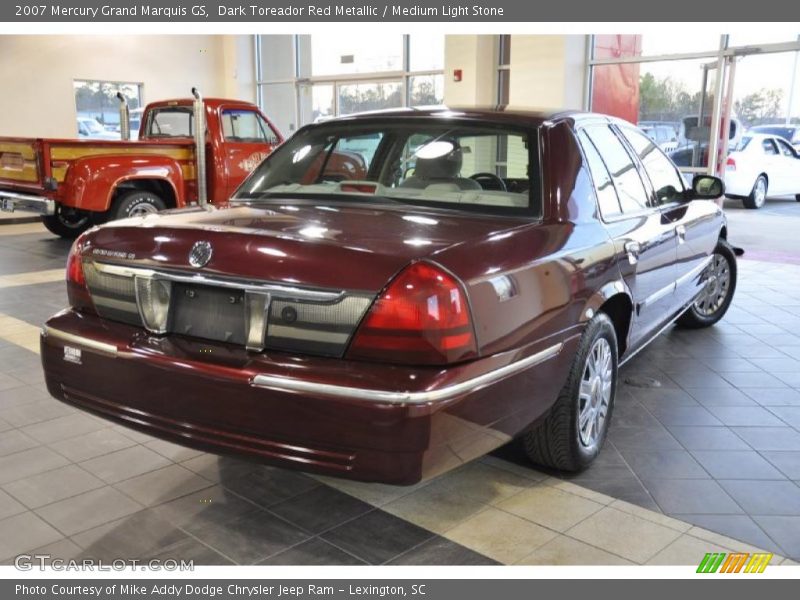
x=200, y=254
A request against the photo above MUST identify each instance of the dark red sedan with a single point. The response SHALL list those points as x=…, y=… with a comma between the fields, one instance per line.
x=391, y=295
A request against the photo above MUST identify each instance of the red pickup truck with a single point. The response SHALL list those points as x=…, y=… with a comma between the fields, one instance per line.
x=74, y=184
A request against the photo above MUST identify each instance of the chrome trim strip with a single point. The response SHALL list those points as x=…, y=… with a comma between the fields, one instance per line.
x=687, y=277
x=80, y=341
x=658, y=295
x=276, y=290
x=355, y=393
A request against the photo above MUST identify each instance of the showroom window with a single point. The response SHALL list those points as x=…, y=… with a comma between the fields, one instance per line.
x=309, y=78
x=97, y=106
x=682, y=93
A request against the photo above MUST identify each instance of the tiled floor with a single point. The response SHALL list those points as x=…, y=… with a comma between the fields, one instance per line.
x=714, y=448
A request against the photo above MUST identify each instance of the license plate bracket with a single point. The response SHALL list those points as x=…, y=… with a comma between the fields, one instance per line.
x=208, y=312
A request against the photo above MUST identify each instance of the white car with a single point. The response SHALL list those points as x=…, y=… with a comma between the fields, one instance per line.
x=761, y=166
x=90, y=128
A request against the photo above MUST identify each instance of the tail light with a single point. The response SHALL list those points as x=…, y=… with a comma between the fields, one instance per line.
x=730, y=165
x=77, y=290
x=422, y=317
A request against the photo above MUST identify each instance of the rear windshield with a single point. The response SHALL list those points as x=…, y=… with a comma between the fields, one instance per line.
x=174, y=121
x=419, y=161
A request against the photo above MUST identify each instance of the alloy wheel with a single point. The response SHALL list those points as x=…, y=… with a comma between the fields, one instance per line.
x=595, y=393
x=717, y=286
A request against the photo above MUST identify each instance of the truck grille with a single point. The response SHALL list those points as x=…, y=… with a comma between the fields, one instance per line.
x=253, y=314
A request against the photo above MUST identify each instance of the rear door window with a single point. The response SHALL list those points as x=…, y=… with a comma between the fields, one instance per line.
x=604, y=188
x=769, y=147
x=633, y=195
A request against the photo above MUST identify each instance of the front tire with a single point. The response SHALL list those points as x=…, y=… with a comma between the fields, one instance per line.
x=138, y=203
x=717, y=295
x=758, y=196
x=572, y=434
x=67, y=223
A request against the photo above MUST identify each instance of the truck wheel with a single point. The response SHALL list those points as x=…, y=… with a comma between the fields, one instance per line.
x=137, y=203
x=67, y=223
x=713, y=302
x=571, y=435
x=758, y=196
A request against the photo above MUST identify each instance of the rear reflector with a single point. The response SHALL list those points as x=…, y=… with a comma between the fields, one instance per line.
x=730, y=165
x=77, y=291
x=422, y=317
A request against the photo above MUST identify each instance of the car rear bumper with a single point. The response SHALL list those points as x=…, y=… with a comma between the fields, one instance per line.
x=358, y=420
x=11, y=201
x=738, y=183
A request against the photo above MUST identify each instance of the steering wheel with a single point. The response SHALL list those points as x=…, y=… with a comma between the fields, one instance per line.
x=495, y=182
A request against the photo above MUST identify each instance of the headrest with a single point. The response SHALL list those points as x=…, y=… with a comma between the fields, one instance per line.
x=440, y=159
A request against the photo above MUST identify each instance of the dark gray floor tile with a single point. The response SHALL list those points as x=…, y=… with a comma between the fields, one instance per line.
x=190, y=549
x=736, y=464
x=25, y=394
x=633, y=415
x=34, y=412
x=774, y=397
x=683, y=415
x=646, y=438
x=664, y=464
x=692, y=381
x=320, y=509
x=708, y=438
x=777, y=365
x=268, y=486
x=377, y=537
x=745, y=416
x=124, y=464
x=691, y=496
x=769, y=438
x=65, y=427
x=790, y=379
x=788, y=414
x=629, y=489
x=787, y=462
x=250, y=538
x=663, y=397
x=441, y=551
x=313, y=552
x=785, y=531
x=727, y=364
x=137, y=536
x=765, y=497
x=738, y=527
x=754, y=380
x=723, y=397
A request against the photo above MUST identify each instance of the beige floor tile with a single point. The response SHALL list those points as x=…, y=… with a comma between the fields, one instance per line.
x=31, y=278
x=686, y=550
x=567, y=551
x=568, y=486
x=651, y=515
x=22, y=228
x=529, y=472
x=435, y=509
x=551, y=507
x=481, y=483
x=624, y=534
x=500, y=535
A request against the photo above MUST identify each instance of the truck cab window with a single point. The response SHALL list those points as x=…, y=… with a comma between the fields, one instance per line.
x=171, y=122
x=246, y=126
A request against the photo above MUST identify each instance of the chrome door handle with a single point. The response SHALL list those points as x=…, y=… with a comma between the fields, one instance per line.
x=680, y=231
x=633, y=249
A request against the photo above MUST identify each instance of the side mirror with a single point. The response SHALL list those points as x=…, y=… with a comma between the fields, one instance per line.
x=706, y=187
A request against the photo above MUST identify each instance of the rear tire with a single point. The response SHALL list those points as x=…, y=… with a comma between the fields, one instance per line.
x=559, y=441
x=758, y=196
x=137, y=203
x=716, y=298
x=67, y=223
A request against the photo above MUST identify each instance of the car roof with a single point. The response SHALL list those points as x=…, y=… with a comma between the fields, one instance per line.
x=498, y=114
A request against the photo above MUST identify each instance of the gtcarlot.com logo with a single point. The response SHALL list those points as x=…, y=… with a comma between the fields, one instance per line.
x=736, y=562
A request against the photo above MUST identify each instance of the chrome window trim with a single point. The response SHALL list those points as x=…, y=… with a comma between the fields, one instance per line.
x=392, y=397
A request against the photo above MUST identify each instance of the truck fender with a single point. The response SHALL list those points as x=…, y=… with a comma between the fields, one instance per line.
x=92, y=181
